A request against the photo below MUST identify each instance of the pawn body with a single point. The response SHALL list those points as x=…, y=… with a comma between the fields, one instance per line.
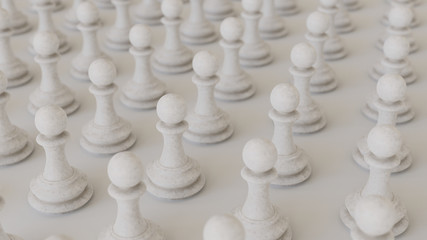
x=271, y=26
x=18, y=21
x=218, y=10
x=287, y=7
x=70, y=20
x=342, y=20
x=118, y=35
x=197, y=30
x=148, y=12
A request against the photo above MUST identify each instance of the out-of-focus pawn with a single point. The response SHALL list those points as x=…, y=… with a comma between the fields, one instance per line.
x=254, y=52
x=271, y=25
x=260, y=218
x=144, y=89
x=207, y=123
x=352, y=5
x=395, y=60
x=61, y=188
x=118, y=35
x=197, y=30
x=324, y=78
x=148, y=12
x=14, y=69
x=51, y=90
x=342, y=20
x=104, y=4
x=400, y=18
x=311, y=119
x=218, y=10
x=8, y=236
x=234, y=84
x=223, y=227
x=89, y=24
x=173, y=57
x=334, y=47
x=286, y=7
x=415, y=22
x=58, y=5
x=18, y=21
x=15, y=145
x=125, y=171
x=71, y=21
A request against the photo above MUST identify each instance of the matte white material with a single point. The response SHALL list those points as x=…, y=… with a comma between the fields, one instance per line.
x=404, y=3
x=218, y=10
x=18, y=21
x=287, y=7
x=70, y=20
x=104, y=4
x=271, y=25
x=342, y=20
x=118, y=34
x=196, y=29
x=352, y=5
x=223, y=227
x=147, y=12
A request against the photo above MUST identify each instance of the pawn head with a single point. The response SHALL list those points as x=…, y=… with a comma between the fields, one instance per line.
x=317, y=23
x=384, y=141
x=231, y=29
x=284, y=98
x=102, y=72
x=303, y=55
x=87, y=13
x=171, y=8
x=223, y=227
x=205, y=64
x=125, y=170
x=4, y=19
x=140, y=36
x=400, y=16
x=252, y=6
x=171, y=108
x=391, y=88
x=45, y=43
x=3, y=82
x=259, y=155
x=396, y=48
x=328, y=3
x=50, y=120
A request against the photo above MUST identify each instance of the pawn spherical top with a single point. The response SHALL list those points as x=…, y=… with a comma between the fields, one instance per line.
x=45, y=43
x=329, y=3
x=259, y=155
x=3, y=82
x=391, y=87
x=140, y=36
x=223, y=227
x=171, y=108
x=317, y=23
x=303, y=55
x=284, y=98
x=87, y=13
x=171, y=8
x=51, y=120
x=384, y=141
x=125, y=170
x=102, y=72
x=396, y=48
x=400, y=16
x=252, y=6
x=231, y=29
x=205, y=64
x=4, y=19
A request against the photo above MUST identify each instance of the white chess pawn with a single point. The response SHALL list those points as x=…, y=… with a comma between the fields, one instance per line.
x=286, y=7
x=389, y=100
x=207, y=123
x=15, y=145
x=254, y=52
x=174, y=175
x=260, y=218
x=148, y=12
x=352, y=5
x=125, y=171
x=173, y=57
x=333, y=47
x=400, y=18
x=218, y=10
x=44, y=10
x=8, y=236
x=197, y=30
x=104, y=4
x=223, y=227
x=402, y=3
x=107, y=132
x=58, y=5
x=51, y=90
x=292, y=164
x=395, y=60
x=71, y=21
x=342, y=20
x=118, y=35
x=60, y=188
x=311, y=119
x=18, y=21
x=324, y=78
x=384, y=142
x=89, y=24
x=144, y=89
x=14, y=69
x=234, y=83
x=271, y=25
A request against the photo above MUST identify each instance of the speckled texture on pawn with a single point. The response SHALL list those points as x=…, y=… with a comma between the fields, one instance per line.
x=118, y=35
x=15, y=145
x=147, y=12
x=271, y=25
x=51, y=90
x=260, y=218
x=234, y=84
x=342, y=20
x=106, y=133
x=71, y=21
x=286, y=7
x=218, y=10
x=403, y=3
x=172, y=57
x=18, y=21
x=3, y=234
x=125, y=171
x=223, y=227
x=207, y=123
x=174, y=175
x=60, y=188
x=196, y=29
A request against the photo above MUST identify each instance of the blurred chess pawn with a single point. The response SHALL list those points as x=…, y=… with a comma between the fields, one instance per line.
x=223, y=227
x=18, y=21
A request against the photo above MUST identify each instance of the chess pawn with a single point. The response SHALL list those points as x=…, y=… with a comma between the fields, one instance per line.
x=144, y=89
x=400, y=18
x=384, y=142
x=223, y=227
x=71, y=21
x=402, y=3
x=351, y=5
x=173, y=57
x=218, y=10
x=271, y=25
x=174, y=175
x=260, y=218
x=61, y=188
x=234, y=84
x=89, y=24
x=311, y=119
x=106, y=133
x=15, y=145
x=292, y=164
x=7, y=236
x=148, y=12
x=196, y=30
x=389, y=100
x=324, y=78
x=286, y=7
x=395, y=60
x=104, y=4
x=118, y=35
x=14, y=69
x=125, y=171
x=51, y=90
x=342, y=20
x=333, y=47
x=18, y=21
x=207, y=123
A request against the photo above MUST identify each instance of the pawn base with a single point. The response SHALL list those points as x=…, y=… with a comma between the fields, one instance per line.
x=17, y=156
x=352, y=5
x=19, y=81
x=179, y=193
x=255, y=55
x=199, y=40
x=152, y=232
x=117, y=45
x=69, y=108
x=108, y=148
x=234, y=88
x=323, y=81
x=104, y=4
x=21, y=29
x=334, y=49
x=209, y=138
x=150, y=21
x=219, y=16
x=274, y=34
x=344, y=27
x=145, y=103
x=235, y=96
x=185, y=65
x=311, y=126
x=289, y=11
x=70, y=25
x=79, y=75
x=402, y=117
x=298, y=163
